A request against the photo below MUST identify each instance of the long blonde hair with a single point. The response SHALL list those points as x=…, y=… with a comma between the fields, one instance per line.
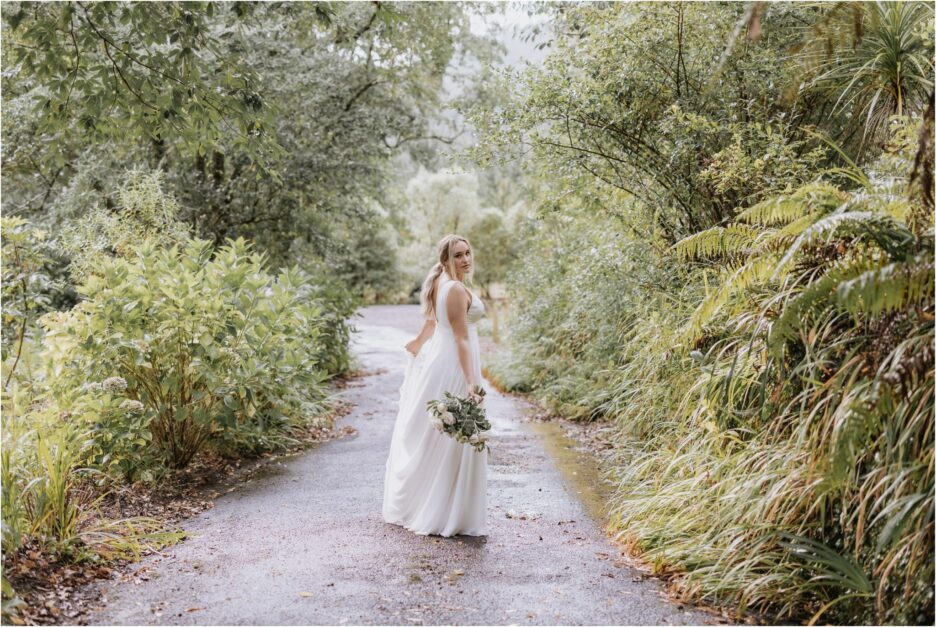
x=446, y=262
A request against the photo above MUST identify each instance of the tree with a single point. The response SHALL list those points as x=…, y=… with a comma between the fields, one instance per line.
x=620, y=101
x=885, y=69
x=133, y=71
x=276, y=122
x=436, y=204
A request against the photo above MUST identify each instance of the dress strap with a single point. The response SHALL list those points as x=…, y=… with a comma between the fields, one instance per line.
x=444, y=288
x=444, y=285
x=450, y=281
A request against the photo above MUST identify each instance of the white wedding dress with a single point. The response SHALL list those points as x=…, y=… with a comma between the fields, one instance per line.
x=433, y=484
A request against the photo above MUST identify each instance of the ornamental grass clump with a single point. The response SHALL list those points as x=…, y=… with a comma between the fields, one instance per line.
x=50, y=460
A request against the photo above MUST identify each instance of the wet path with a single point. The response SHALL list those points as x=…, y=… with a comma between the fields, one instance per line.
x=304, y=543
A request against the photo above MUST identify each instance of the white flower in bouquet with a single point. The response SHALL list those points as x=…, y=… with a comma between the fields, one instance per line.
x=457, y=417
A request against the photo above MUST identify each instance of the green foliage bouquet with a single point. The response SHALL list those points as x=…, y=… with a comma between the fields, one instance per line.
x=461, y=418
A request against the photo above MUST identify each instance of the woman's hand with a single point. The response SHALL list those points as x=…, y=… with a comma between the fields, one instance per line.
x=476, y=393
x=413, y=346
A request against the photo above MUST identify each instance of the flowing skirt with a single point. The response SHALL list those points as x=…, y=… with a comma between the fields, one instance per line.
x=434, y=484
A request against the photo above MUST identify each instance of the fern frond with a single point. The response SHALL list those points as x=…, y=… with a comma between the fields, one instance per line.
x=797, y=310
x=891, y=236
x=891, y=287
x=776, y=240
x=812, y=300
x=756, y=270
x=886, y=197
x=818, y=197
x=716, y=241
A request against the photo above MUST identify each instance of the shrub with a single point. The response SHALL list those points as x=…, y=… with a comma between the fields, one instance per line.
x=146, y=212
x=213, y=346
x=572, y=295
x=804, y=433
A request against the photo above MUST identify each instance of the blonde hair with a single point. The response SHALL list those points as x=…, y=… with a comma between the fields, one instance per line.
x=446, y=262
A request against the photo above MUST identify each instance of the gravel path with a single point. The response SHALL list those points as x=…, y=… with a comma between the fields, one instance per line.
x=304, y=541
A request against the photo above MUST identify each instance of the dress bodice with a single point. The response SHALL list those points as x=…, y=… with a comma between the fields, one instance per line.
x=475, y=309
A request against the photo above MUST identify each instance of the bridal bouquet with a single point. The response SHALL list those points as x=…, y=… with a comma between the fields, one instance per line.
x=462, y=419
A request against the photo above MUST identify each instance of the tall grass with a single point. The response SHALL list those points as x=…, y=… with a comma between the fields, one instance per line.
x=772, y=381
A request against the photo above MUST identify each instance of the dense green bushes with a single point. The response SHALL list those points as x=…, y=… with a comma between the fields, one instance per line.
x=781, y=383
x=752, y=310
x=174, y=347
x=211, y=345
x=569, y=281
x=804, y=434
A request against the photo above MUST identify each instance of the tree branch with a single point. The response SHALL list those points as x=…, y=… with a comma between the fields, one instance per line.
x=359, y=93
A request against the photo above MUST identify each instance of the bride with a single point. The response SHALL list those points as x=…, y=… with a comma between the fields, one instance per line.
x=434, y=484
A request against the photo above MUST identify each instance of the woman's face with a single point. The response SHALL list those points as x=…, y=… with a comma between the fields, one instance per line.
x=462, y=256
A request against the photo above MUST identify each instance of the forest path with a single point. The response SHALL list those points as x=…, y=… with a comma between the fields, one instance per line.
x=304, y=542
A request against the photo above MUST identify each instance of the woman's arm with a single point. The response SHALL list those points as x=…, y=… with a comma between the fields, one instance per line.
x=456, y=305
x=414, y=345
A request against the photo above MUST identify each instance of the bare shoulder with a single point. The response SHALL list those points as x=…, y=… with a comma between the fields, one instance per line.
x=457, y=304
x=461, y=291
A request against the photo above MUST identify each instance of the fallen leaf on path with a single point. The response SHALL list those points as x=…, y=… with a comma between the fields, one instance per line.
x=193, y=609
x=522, y=515
x=305, y=594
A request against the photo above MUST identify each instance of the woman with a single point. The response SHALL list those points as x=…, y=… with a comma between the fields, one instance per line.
x=434, y=484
